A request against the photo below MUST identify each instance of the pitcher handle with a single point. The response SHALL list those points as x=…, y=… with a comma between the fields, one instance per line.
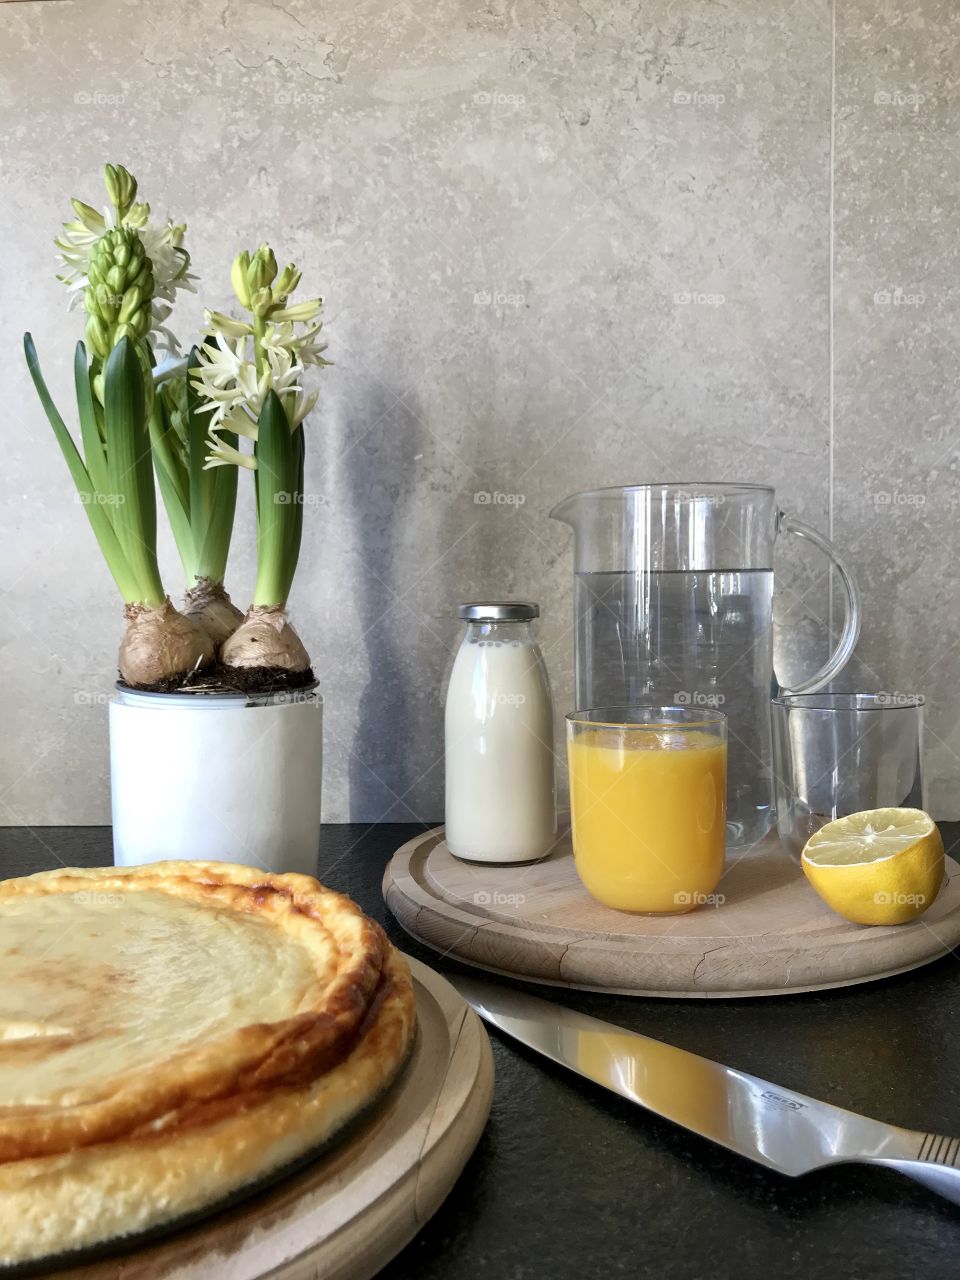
x=787, y=523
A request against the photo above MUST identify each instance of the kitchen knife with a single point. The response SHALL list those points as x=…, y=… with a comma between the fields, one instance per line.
x=765, y=1122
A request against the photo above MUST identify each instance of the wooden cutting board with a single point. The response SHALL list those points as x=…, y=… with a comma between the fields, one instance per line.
x=346, y=1214
x=772, y=934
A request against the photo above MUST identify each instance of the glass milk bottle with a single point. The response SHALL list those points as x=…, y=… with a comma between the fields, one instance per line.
x=498, y=737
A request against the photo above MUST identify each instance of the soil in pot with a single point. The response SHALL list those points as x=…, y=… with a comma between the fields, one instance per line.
x=220, y=679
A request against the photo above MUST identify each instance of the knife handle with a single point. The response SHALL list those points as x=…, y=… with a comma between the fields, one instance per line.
x=935, y=1165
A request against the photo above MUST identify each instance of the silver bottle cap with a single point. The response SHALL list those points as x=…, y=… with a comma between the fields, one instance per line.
x=499, y=611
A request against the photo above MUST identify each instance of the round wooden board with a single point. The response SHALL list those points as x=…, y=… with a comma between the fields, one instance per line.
x=345, y=1215
x=772, y=935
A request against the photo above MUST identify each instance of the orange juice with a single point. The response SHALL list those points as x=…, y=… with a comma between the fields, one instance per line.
x=648, y=809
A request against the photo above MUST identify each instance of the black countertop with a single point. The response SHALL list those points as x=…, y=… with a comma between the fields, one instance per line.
x=570, y=1181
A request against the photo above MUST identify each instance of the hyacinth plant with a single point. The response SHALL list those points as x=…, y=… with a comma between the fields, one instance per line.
x=186, y=419
x=125, y=271
x=248, y=375
x=200, y=504
x=200, y=509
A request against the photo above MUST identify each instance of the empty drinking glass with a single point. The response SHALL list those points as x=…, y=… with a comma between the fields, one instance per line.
x=840, y=753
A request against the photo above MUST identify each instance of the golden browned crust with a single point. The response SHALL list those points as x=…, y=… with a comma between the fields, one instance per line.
x=114, y=1147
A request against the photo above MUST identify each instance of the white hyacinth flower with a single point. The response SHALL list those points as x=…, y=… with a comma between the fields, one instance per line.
x=222, y=455
x=242, y=361
x=218, y=322
x=283, y=336
x=163, y=245
x=233, y=393
x=222, y=363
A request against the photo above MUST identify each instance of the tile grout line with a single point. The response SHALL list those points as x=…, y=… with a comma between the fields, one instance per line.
x=831, y=209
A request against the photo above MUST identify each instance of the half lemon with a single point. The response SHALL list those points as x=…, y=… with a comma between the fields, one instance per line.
x=881, y=866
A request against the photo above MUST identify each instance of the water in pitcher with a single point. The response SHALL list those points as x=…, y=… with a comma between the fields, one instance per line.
x=691, y=638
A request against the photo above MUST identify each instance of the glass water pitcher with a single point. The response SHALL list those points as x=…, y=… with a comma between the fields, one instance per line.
x=673, y=604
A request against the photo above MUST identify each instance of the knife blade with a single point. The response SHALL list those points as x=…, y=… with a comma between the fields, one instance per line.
x=768, y=1123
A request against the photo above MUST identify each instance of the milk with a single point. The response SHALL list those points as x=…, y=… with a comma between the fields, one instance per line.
x=498, y=730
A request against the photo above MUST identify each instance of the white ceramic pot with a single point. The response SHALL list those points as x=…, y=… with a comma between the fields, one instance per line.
x=224, y=777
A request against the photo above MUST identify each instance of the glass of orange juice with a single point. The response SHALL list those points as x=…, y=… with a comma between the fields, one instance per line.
x=648, y=804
